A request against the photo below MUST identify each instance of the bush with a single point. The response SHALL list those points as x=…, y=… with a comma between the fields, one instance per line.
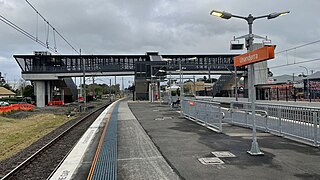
x=173, y=93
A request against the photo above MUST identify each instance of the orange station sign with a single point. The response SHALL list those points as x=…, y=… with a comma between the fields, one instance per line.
x=261, y=54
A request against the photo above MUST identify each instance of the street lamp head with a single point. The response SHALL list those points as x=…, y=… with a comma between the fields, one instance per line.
x=223, y=14
x=161, y=70
x=274, y=15
x=305, y=69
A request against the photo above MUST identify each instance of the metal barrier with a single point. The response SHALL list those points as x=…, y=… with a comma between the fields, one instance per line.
x=299, y=123
x=169, y=99
x=205, y=113
x=295, y=122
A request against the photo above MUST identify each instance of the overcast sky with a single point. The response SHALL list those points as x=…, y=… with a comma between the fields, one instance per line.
x=167, y=26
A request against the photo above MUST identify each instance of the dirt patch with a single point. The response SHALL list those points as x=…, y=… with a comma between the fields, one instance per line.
x=68, y=109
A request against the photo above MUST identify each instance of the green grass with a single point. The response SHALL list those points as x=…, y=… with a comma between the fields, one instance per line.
x=17, y=134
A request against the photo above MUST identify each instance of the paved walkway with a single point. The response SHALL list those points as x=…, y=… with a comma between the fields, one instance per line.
x=183, y=143
x=138, y=157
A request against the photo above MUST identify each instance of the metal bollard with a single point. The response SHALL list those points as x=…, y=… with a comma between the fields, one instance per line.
x=247, y=116
x=231, y=111
x=315, y=131
x=266, y=110
x=221, y=116
x=279, y=117
x=208, y=115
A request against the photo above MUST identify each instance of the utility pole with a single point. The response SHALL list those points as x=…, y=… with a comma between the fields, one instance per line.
x=84, y=82
x=151, y=87
x=194, y=86
x=110, y=89
x=122, y=87
x=115, y=85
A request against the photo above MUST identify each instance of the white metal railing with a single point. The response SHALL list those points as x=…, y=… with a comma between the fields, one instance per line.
x=296, y=122
x=205, y=113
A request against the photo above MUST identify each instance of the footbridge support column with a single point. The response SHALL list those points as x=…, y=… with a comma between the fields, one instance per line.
x=40, y=92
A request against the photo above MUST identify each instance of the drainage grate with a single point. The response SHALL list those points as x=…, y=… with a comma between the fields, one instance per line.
x=212, y=160
x=223, y=154
x=106, y=164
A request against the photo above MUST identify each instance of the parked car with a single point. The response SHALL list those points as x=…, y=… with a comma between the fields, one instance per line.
x=2, y=103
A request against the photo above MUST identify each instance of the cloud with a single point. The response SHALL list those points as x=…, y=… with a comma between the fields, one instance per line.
x=9, y=68
x=167, y=26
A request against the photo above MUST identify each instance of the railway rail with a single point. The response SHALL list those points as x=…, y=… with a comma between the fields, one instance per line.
x=43, y=162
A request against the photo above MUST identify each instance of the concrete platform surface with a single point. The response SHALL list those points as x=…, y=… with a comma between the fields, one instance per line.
x=187, y=146
x=138, y=157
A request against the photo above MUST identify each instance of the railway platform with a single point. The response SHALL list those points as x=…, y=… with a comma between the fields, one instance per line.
x=153, y=142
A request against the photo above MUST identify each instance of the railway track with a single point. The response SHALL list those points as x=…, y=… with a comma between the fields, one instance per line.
x=43, y=162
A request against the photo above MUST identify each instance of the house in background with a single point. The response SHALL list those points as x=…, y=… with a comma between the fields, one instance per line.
x=6, y=93
x=284, y=87
x=312, y=86
x=198, y=88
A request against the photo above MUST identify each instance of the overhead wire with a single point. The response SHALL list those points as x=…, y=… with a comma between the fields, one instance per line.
x=306, y=61
x=22, y=31
x=297, y=47
x=54, y=29
x=294, y=58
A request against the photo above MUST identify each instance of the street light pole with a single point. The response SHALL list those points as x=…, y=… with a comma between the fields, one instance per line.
x=236, y=82
x=181, y=86
x=255, y=150
x=308, y=84
x=170, y=95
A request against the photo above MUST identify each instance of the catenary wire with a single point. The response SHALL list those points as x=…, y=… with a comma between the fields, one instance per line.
x=52, y=26
x=307, y=61
x=297, y=47
x=22, y=31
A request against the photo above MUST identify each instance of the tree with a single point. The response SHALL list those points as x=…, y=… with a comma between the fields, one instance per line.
x=204, y=78
x=211, y=80
x=28, y=91
x=4, y=84
x=178, y=91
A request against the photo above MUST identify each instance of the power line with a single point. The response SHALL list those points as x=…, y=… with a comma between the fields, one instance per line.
x=297, y=47
x=307, y=61
x=49, y=25
x=22, y=31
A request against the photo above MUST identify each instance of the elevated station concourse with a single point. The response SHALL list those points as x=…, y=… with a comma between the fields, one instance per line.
x=54, y=72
